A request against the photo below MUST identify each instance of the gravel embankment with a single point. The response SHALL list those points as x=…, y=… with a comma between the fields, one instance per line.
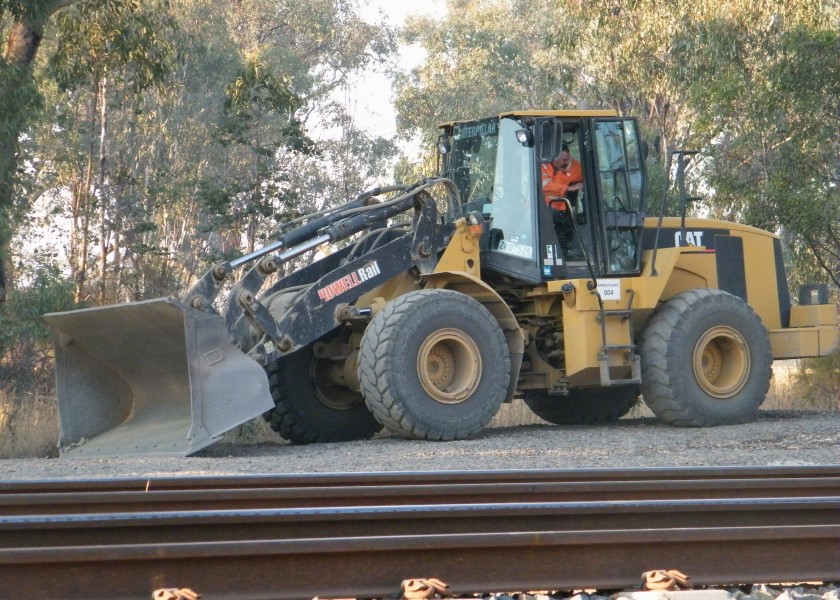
x=775, y=438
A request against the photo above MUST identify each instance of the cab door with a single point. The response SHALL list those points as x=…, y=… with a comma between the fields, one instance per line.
x=620, y=179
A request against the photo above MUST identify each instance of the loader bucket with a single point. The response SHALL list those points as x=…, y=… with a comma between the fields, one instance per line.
x=152, y=377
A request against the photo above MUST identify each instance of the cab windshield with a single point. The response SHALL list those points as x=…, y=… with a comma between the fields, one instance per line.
x=473, y=160
x=495, y=175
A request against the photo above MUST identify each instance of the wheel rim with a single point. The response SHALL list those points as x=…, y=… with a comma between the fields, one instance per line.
x=721, y=362
x=449, y=366
x=331, y=394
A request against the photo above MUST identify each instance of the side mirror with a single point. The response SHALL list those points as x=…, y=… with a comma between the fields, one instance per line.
x=550, y=139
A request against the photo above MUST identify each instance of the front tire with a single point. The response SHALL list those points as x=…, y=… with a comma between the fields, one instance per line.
x=583, y=405
x=308, y=408
x=706, y=360
x=434, y=365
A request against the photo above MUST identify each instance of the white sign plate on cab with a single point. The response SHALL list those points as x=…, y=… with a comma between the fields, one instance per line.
x=609, y=289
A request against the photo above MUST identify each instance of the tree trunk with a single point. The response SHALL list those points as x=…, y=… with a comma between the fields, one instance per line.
x=85, y=203
x=103, y=197
x=15, y=74
x=22, y=43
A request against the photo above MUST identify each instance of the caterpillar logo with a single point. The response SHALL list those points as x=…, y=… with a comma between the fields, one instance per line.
x=692, y=238
x=349, y=281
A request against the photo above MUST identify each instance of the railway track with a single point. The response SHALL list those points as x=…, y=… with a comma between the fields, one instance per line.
x=446, y=487
x=359, y=535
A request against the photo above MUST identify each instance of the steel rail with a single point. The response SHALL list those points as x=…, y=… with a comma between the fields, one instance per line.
x=279, y=524
x=197, y=499
x=370, y=567
x=360, y=534
x=414, y=478
x=192, y=497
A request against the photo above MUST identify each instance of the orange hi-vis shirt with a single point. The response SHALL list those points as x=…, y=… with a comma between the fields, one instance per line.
x=556, y=182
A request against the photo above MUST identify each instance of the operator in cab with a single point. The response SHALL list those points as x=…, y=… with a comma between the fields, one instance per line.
x=562, y=178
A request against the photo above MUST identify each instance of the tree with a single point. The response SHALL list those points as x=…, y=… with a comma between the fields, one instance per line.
x=109, y=53
x=751, y=83
x=484, y=57
x=25, y=21
x=203, y=166
x=293, y=59
x=776, y=162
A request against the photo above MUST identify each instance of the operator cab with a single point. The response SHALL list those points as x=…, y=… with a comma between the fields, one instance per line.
x=498, y=166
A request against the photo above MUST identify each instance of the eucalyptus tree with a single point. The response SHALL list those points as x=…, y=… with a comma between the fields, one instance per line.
x=772, y=119
x=177, y=135
x=106, y=56
x=484, y=56
x=752, y=83
x=87, y=41
x=22, y=24
x=293, y=58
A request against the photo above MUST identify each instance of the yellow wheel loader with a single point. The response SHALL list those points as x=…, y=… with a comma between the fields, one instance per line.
x=449, y=298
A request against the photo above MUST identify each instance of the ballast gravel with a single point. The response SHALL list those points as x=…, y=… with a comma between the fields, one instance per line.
x=775, y=438
x=754, y=592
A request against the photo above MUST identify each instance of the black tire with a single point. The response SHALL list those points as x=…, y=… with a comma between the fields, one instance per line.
x=309, y=409
x=705, y=360
x=434, y=365
x=583, y=405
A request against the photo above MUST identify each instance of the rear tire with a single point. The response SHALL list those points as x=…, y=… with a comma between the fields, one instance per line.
x=583, y=405
x=434, y=365
x=706, y=360
x=309, y=408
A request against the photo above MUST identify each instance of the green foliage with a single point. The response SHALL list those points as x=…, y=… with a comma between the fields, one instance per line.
x=21, y=27
x=19, y=97
x=25, y=339
x=33, y=10
x=176, y=134
x=484, y=57
x=818, y=381
x=257, y=89
x=47, y=292
x=123, y=37
x=776, y=162
x=255, y=95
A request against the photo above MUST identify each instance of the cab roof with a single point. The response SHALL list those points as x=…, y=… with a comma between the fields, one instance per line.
x=568, y=113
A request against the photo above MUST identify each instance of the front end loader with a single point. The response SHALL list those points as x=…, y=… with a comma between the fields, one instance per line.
x=448, y=298
x=169, y=376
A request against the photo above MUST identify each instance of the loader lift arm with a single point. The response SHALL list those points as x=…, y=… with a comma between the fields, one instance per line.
x=309, y=319
x=328, y=226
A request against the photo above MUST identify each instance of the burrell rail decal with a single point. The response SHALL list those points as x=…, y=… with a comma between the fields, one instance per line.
x=349, y=281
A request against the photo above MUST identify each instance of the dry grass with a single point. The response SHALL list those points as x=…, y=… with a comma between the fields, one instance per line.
x=29, y=422
x=255, y=431
x=515, y=413
x=787, y=385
